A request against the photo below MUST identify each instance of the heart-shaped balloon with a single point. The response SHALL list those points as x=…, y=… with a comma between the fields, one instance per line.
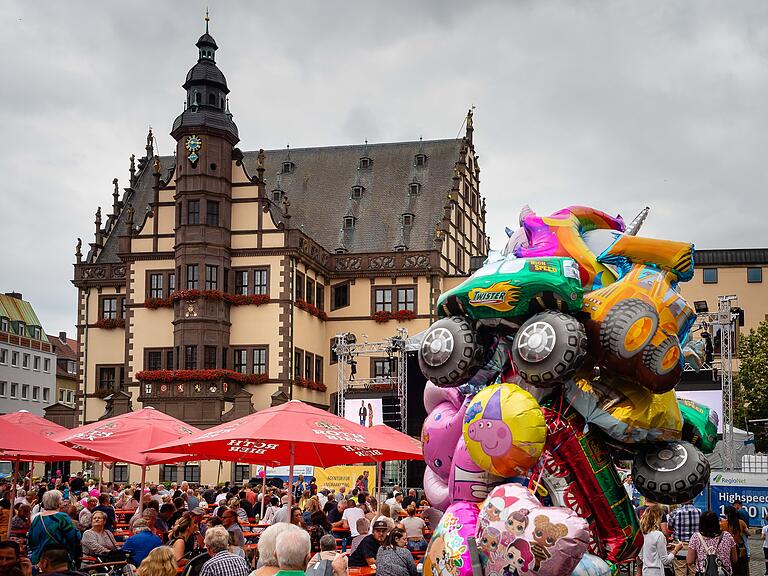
x=448, y=551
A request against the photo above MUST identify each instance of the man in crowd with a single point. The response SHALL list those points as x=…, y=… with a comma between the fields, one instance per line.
x=55, y=561
x=236, y=537
x=106, y=507
x=209, y=494
x=11, y=564
x=142, y=542
x=395, y=505
x=352, y=514
x=365, y=553
x=284, y=514
x=341, y=494
x=412, y=498
x=335, y=516
x=222, y=562
x=77, y=484
x=683, y=522
x=85, y=514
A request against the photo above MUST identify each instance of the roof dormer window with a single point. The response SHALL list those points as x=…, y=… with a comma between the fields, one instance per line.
x=277, y=196
x=21, y=329
x=357, y=192
x=349, y=222
x=414, y=188
x=365, y=163
x=420, y=160
x=407, y=219
x=288, y=167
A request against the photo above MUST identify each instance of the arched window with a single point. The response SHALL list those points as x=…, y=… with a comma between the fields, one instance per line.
x=212, y=99
x=197, y=97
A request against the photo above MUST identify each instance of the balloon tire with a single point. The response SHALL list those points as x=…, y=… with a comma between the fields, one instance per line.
x=465, y=358
x=618, y=321
x=671, y=487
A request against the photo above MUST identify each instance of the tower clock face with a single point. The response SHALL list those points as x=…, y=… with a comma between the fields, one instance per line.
x=193, y=145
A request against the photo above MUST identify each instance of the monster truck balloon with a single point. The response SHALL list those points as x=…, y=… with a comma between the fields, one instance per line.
x=586, y=317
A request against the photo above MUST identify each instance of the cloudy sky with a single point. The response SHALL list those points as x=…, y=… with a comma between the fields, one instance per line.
x=614, y=104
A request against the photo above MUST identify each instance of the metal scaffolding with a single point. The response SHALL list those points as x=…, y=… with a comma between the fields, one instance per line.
x=349, y=350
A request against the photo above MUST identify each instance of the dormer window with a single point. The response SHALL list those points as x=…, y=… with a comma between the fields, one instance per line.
x=357, y=192
x=349, y=222
x=277, y=196
x=407, y=219
x=414, y=188
x=212, y=99
x=4, y=325
x=365, y=163
x=420, y=160
x=288, y=167
x=21, y=329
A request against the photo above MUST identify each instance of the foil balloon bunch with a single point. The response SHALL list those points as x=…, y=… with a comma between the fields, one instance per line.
x=556, y=359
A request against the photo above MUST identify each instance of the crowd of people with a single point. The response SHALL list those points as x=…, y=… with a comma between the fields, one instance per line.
x=65, y=526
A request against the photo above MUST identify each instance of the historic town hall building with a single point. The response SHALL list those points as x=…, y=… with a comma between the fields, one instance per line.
x=218, y=279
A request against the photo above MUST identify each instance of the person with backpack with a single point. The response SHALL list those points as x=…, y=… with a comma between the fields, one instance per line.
x=711, y=551
x=740, y=532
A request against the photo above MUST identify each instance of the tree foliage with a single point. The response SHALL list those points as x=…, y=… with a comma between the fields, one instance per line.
x=751, y=384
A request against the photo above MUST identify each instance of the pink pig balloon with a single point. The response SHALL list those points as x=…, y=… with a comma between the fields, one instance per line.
x=439, y=435
x=436, y=490
x=468, y=482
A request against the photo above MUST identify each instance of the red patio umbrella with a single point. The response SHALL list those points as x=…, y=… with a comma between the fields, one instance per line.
x=289, y=433
x=403, y=442
x=18, y=443
x=34, y=423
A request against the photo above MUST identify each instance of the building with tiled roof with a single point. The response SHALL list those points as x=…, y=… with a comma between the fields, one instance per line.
x=248, y=263
x=27, y=362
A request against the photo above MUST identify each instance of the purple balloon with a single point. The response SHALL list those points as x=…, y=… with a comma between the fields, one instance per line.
x=434, y=395
x=448, y=551
x=468, y=482
x=436, y=490
x=439, y=435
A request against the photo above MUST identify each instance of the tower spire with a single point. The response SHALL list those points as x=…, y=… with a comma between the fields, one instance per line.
x=207, y=19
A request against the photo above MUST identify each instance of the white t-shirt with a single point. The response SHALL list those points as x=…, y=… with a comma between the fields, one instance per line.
x=765, y=536
x=414, y=526
x=221, y=497
x=352, y=515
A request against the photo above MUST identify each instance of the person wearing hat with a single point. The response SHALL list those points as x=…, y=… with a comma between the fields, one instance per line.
x=197, y=539
x=365, y=553
x=141, y=543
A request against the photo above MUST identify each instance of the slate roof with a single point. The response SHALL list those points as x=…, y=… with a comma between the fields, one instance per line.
x=64, y=350
x=732, y=257
x=319, y=189
x=206, y=71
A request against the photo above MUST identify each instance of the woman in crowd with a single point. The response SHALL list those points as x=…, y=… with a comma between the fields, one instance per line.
x=739, y=530
x=393, y=557
x=313, y=505
x=52, y=527
x=304, y=500
x=159, y=562
x=373, y=506
x=234, y=505
x=654, y=554
x=270, y=510
x=318, y=527
x=383, y=514
x=179, y=536
x=97, y=540
x=20, y=522
x=710, y=537
x=296, y=517
x=268, y=565
x=414, y=530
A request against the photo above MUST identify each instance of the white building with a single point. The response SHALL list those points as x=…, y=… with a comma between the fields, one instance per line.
x=27, y=360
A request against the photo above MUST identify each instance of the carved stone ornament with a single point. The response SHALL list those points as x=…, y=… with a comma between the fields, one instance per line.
x=191, y=311
x=94, y=273
x=416, y=261
x=118, y=271
x=347, y=264
x=381, y=262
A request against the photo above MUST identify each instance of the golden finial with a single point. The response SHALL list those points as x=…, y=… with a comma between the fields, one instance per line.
x=207, y=19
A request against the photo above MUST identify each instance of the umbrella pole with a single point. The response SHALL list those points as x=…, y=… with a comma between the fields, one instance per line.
x=101, y=473
x=378, y=487
x=290, y=477
x=13, y=493
x=263, y=492
x=141, y=490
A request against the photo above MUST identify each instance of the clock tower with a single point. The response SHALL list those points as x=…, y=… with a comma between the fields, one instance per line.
x=205, y=137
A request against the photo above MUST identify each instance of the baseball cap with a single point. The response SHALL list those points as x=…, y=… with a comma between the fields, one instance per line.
x=380, y=524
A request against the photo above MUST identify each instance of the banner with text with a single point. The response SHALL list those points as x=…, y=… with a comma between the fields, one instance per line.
x=337, y=476
x=750, y=488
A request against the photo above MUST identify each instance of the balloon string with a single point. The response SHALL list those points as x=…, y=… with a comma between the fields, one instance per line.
x=538, y=479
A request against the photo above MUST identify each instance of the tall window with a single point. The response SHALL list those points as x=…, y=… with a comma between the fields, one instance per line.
x=339, y=296
x=155, y=285
x=241, y=282
x=47, y=365
x=318, y=368
x=168, y=473
x=310, y=291
x=300, y=282
x=382, y=300
x=191, y=276
x=212, y=213
x=154, y=360
x=106, y=379
x=298, y=364
x=109, y=308
x=46, y=394
x=383, y=367
x=239, y=360
x=259, y=360
x=169, y=359
x=320, y=302
x=261, y=281
x=405, y=299
x=36, y=363
x=171, y=282
x=309, y=365
x=192, y=473
x=25, y=361
x=193, y=212
x=211, y=280
x=36, y=393
x=25, y=391
x=4, y=325
x=190, y=357
x=120, y=473
x=242, y=473
x=209, y=357
x=3, y=356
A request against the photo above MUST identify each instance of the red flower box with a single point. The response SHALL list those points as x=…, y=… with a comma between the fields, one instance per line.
x=381, y=316
x=191, y=375
x=311, y=309
x=110, y=323
x=233, y=299
x=310, y=384
x=402, y=315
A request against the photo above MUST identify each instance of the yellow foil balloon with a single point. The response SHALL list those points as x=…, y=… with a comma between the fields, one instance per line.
x=504, y=430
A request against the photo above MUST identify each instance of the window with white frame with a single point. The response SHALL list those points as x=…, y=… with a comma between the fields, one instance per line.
x=36, y=363
x=46, y=394
x=3, y=356
x=25, y=361
x=46, y=365
x=36, y=393
x=3, y=389
x=25, y=391
x=14, y=390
